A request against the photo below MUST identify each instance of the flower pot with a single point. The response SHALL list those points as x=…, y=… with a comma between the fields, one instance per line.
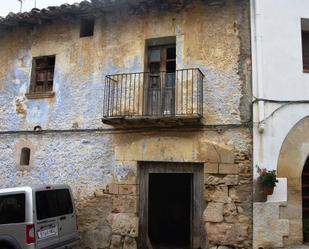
x=268, y=190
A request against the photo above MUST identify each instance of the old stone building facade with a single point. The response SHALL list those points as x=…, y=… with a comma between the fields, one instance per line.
x=171, y=82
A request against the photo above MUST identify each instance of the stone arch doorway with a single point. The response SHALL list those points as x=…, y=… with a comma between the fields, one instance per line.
x=292, y=158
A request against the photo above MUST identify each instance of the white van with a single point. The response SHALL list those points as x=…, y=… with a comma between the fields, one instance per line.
x=40, y=217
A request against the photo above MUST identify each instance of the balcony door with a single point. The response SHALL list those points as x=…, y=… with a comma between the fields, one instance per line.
x=160, y=87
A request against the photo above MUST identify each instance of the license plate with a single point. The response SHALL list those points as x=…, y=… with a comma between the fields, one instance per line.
x=48, y=232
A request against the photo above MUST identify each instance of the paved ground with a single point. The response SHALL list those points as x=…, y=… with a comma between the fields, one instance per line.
x=169, y=247
x=288, y=247
x=296, y=247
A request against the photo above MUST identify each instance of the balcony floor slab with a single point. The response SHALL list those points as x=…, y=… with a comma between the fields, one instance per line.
x=154, y=121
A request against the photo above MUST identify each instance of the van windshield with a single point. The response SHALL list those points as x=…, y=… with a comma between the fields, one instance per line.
x=12, y=209
x=51, y=203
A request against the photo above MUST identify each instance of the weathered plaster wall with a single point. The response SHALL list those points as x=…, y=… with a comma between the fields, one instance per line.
x=58, y=158
x=74, y=79
x=213, y=39
x=102, y=167
x=84, y=161
x=103, y=172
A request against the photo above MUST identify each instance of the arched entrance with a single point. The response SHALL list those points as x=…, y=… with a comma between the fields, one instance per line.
x=292, y=158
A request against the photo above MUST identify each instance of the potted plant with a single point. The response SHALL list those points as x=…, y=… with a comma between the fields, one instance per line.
x=267, y=180
x=306, y=229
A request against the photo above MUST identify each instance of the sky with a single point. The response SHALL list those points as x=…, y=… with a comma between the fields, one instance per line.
x=7, y=6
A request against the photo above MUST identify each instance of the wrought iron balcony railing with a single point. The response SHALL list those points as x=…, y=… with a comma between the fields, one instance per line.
x=160, y=95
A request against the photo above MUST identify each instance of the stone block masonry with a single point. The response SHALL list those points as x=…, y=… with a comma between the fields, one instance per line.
x=227, y=193
x=226, y=215
x=269, y=228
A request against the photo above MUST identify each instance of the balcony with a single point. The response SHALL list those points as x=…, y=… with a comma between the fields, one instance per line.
x=154, y=99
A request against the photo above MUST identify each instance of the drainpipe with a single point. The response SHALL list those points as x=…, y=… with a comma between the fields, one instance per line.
x=256, y=36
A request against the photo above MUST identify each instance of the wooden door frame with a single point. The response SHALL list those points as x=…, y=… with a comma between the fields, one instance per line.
x=163, y=61
x=197, y=203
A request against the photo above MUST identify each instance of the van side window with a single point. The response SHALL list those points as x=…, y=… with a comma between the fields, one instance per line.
x=51, y=203
x=12, y=209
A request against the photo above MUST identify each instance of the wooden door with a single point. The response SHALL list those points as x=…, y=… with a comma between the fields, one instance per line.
x=305, y=197
x=197, y=204
x=161, y=81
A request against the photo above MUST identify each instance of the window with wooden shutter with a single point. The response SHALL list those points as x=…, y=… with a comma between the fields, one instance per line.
x=86, y=27
x=305, y=47
x=42, y=77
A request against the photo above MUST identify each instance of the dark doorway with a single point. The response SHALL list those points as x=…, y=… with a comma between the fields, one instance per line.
x=305, y=200
x=169, y=210
x=171, y=206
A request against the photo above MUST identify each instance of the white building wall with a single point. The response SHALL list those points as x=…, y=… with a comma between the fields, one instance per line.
x=276, y=43
x=278, y=77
